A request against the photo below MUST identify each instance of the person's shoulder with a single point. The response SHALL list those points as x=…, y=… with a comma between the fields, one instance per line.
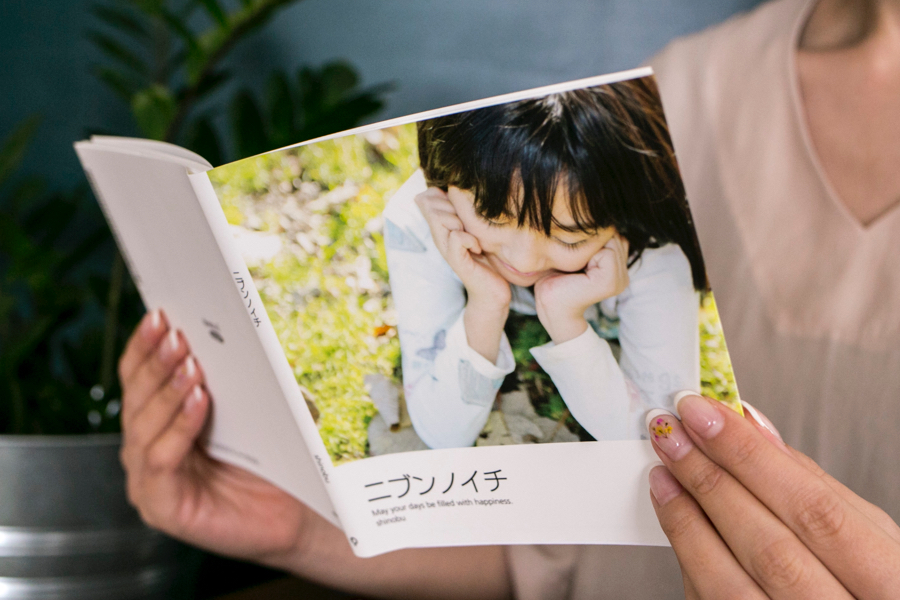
x=738, y=36
x=401, y=206
x=404, y=225
x=666, y=262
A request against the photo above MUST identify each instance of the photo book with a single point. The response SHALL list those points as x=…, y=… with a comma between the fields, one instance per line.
x=442, y=329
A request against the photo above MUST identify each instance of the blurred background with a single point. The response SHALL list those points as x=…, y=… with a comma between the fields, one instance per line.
x=228, y=79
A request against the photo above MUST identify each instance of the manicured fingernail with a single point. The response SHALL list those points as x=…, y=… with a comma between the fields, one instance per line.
x=668, y=434
x=700, y=415
x=169, y=346
x=663, y=485
x=762, y=420
x=680, y=396
x=151, y=324
x=193, y=399
x=184, y=374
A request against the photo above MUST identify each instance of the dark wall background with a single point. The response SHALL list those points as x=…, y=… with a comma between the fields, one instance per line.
x=436, y=53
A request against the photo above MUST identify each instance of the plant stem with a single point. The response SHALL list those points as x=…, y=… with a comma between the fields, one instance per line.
x=246, y=23
x=18, y=406
x=113, y=298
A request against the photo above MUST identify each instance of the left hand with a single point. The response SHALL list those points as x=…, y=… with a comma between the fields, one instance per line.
x=562, y=298
x=750, y=517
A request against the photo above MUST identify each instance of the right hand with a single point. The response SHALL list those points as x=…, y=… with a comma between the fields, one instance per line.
x=174, y=484
x=462, y=251
x=750, y=517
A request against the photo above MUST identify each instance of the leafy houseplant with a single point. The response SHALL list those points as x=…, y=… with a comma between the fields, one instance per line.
x=63, y=320
x=67, y=304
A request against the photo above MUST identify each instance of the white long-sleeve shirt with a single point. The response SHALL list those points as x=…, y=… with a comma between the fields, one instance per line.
x=450, y=388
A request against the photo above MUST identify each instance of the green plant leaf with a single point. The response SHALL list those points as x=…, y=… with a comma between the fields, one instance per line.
x=216, y=12
x=211, y=84
x=120, y=19
x=177, y=25
x=119, y=83
x=150, y=7
x=83, y=251
x=23, y=196
x=337, y=78
x=202, y=138
x=153, y=109
x=281, y=110
x=248, y=126
x=14, y=242
x=115, y=50
x=13, y=150
x=49, y=221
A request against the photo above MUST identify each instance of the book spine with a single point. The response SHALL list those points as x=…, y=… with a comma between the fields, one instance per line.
x=256, y=313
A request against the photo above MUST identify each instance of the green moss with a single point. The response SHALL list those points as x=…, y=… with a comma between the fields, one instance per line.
x=332, y=326
x=716, y=374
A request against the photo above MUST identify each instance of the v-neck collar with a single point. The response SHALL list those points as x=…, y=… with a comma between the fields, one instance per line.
x=803, y=128
x=818, y=272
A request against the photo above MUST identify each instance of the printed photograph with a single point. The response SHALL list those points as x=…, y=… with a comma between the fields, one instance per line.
x=521, y=273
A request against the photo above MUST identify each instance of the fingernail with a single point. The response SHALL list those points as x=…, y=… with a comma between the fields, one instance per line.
x=151, y=325
x=184, y=374
x=699, y=415
x=663, y=485
x=762, y=420
x=193, y=398
x=169, y=346
x=680, y=396
x=668, y=434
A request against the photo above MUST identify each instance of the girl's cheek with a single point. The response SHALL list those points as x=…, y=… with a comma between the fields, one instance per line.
x=577, y=261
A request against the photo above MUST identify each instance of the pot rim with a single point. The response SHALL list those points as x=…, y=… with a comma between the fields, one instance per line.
x=76, y=440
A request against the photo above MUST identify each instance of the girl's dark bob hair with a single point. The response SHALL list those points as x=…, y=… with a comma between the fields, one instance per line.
x=609, y=145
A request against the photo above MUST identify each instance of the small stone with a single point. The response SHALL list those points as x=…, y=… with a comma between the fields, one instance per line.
x=494, y=432
x=521, y=428
x=517, y=403
x=384, y=441
x=553, y=431
x=385, y=395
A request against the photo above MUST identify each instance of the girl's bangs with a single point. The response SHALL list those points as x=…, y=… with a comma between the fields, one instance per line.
x=521, y=182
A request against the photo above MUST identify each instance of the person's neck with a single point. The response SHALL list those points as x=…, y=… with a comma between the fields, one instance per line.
x=848, y=66
x=841, y=24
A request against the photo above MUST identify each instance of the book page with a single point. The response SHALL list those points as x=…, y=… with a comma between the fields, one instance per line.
x=442, y=424
x=178, y=266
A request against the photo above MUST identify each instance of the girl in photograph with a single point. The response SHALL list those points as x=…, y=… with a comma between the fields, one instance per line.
x=569, y=207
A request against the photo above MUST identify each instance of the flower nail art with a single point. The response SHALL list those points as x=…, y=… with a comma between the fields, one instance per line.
x=661, y=427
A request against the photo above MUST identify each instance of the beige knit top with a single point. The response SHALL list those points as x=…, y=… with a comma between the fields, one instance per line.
x=809, y=298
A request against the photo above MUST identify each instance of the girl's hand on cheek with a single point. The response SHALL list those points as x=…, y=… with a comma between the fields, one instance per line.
x=562, y=299
x=750, y=517
x=462, y=251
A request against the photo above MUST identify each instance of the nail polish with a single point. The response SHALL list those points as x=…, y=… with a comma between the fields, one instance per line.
x=700, y=415
x=184, y=374
x=668, y=434
x=663, y=485
x=169, y=346
x=762, y=420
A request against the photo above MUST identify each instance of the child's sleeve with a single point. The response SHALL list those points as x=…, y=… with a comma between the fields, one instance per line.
x=590, y=382
x=449, y=387
x=659, y=334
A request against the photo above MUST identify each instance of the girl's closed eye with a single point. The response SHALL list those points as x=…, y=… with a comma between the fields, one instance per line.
x=572, y=245
x=494, y=222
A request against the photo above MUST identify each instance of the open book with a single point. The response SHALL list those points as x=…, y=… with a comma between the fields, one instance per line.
x=442, y=329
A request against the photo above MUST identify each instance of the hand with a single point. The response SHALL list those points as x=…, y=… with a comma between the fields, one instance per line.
x=179, y=489
x=462, y=252
x=561, y=299
x=758, y=519
x=173, y=483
